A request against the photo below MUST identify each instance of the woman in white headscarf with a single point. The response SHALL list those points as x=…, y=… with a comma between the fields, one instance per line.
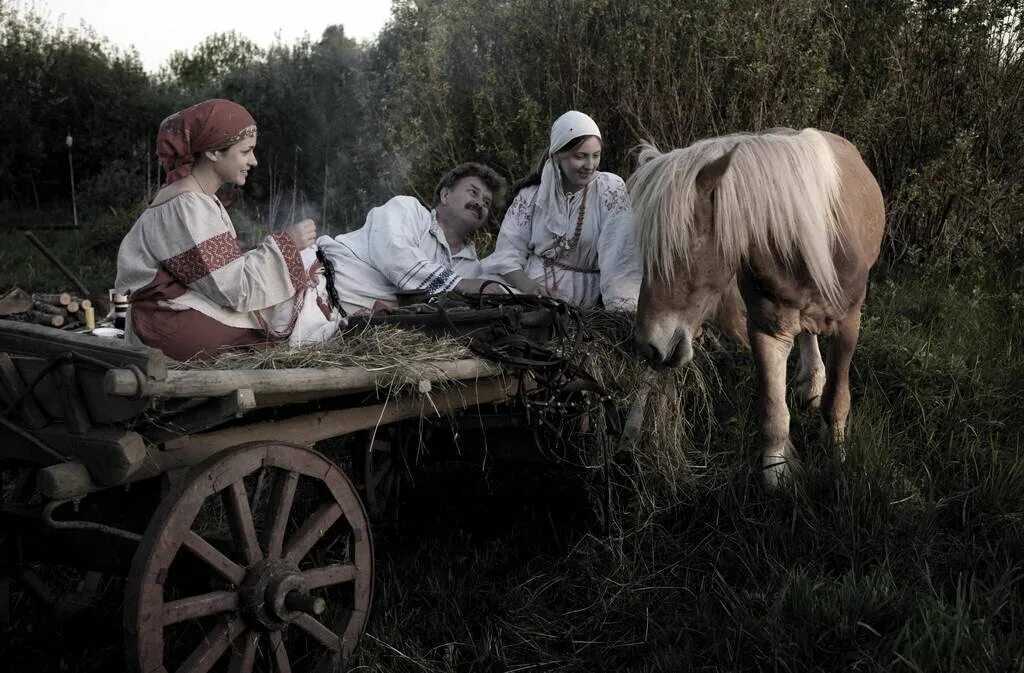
x=569, y=231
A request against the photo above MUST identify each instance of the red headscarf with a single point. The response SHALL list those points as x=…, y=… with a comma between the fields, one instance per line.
x=210, y=125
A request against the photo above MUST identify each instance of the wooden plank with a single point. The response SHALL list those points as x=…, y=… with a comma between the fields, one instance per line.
x=15, y=301
x=76, y=416
x=111, y=455
x=36, y=340
x=206, y=416
x=187, y=451
x=326, y=382
x=12, y=386
x=103, y=409
x=310, y=428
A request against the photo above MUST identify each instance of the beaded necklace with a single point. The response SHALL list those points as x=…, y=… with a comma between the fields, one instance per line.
x=564, y=245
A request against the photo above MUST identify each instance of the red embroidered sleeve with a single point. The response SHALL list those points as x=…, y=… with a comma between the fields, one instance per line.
x=293, y=260
x=204, y=259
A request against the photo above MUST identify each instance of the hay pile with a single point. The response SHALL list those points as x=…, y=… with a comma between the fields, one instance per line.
x=408, y=355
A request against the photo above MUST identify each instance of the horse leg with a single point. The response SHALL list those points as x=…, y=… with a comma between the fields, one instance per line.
x=810, y=377
x=835, y=399
x=770, y=355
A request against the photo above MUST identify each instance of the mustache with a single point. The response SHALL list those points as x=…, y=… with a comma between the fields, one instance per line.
x=476, y=208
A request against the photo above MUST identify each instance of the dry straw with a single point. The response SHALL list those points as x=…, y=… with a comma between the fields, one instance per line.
x=408, y=355
x=672, y=446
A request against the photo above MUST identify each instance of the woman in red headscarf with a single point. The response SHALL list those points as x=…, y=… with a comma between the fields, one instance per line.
x=192, y=291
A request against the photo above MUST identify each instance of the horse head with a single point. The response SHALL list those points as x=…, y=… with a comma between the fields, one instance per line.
x=685, y=272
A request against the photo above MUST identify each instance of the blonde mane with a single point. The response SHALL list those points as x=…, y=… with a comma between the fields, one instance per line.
x=780, y=194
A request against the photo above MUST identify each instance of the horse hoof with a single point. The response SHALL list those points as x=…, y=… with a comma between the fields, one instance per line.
x=834, y=439
x=777, y=472
x=809, y=391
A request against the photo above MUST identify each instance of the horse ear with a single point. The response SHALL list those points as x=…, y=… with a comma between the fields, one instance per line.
x=711, y=174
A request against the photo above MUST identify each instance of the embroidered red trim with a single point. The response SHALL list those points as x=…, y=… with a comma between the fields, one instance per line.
x=293, y=260
x=205, y=258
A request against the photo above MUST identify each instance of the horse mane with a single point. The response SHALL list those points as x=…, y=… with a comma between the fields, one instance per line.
x=779, y=194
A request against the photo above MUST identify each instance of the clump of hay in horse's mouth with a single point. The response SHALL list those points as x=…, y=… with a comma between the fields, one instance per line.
x=678, y=405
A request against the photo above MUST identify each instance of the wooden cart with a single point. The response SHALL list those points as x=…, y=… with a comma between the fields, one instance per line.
x=243, y=547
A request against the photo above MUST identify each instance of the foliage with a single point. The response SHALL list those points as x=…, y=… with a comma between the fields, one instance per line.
x=308, y=99
x=929, y=91
x=58, y=82
x=212, y=60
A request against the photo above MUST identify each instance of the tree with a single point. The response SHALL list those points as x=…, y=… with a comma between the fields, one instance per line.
x=218, y=55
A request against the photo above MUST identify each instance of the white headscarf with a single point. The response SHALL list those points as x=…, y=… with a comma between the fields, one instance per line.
x=550, y=196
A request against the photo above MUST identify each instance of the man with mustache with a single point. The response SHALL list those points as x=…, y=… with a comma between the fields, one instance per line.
x=404, y=247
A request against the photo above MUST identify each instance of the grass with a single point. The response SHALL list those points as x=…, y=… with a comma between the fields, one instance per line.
x=90, y=253
x=907, y=557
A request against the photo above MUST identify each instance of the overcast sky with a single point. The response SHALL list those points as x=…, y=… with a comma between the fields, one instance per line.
x=158, y=28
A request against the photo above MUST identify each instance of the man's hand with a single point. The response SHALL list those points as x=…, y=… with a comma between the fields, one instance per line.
x=303, y=233
x=473, y=285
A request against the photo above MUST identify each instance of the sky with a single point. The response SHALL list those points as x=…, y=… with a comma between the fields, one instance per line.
x=157, y=29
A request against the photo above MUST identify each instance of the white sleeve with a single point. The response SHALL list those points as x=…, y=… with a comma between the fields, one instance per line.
x=617, y=251
x=196, y=244
x=512, y=248
x=395, y=233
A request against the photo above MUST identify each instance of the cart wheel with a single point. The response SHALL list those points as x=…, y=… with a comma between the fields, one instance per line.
x=260, y=559
x=387, y=469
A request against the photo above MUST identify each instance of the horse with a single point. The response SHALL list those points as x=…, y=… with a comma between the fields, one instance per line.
x=784, y=226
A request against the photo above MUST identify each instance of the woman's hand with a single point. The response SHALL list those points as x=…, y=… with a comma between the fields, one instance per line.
x=520, y=281
x=303, y=233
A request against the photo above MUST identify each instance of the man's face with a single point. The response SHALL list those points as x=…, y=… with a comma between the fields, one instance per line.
x=468, y=201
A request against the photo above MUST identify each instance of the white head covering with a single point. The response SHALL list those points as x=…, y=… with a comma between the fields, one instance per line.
x=550, y=196
x=570, y=126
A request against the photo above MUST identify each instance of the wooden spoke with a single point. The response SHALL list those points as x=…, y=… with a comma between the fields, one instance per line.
x=311, y=531
x=212, y=649
x=319, y=632
x=280, y=653
x=200, y=606
x=329, y=576
x=243, y=527
x=281, y=507
x=224, y=566
x=244, y=660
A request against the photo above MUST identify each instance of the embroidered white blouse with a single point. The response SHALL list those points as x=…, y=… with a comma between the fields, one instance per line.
x=191, y=239
x=400, y=247
x=603, y=263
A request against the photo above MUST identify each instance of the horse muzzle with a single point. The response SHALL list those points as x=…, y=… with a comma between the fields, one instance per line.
x=678, y=351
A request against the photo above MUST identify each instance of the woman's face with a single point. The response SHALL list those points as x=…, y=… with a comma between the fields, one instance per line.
x=579, y=164
x=233, y=164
